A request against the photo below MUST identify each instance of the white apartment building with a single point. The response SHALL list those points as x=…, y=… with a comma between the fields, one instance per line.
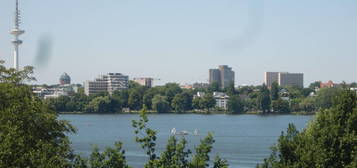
x=106, y=83
x=221, y=100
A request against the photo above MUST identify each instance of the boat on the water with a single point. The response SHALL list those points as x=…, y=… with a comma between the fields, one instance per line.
x=184, y=132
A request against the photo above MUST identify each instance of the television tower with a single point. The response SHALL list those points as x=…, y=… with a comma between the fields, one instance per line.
x=16, y=31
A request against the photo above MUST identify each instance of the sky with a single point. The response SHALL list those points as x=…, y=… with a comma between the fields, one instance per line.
x=179, y=40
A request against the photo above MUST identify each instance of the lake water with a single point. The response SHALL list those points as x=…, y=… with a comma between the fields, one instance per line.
x=244, y=140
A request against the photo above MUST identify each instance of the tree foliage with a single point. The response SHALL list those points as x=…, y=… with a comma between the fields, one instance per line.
x=235, y=104
x=263, y=100
x=330, y=140
x=160, y=104
x=275, y=91
x=31, y=136
x=281, y=106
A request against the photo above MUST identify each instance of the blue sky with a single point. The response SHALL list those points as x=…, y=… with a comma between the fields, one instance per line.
x=179, y=40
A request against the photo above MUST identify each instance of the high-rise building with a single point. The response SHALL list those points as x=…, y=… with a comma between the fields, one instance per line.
x=65, y=79
x=107, y=83
x=291, y=79
x=224, y=76
x=16, y=32
x=214, y=76
x=227, y=76
x=270, y=78
x=148, y=82
x=284, y=79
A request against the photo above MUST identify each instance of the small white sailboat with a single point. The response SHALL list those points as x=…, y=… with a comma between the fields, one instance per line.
x=174, y=132
x=196, y=133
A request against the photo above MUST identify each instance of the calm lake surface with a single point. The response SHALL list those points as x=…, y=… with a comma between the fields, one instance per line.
x=243, y=140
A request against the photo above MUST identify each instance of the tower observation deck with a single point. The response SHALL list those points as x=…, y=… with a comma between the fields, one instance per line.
x=16, y=32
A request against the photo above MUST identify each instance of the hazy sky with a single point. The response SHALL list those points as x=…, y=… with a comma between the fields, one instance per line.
x=179, y=40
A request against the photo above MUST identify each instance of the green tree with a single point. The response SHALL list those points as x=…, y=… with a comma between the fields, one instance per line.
x=235, y=104
x=309, y=104
x=31, y=135
x=135, y=99
x=220, y=163
x=187, y=99
x=275, y=91
x=295, y=104
x=175, y=154
x=178, y=103
x=353, y=85
x=315, y=85
x=171, y=89
x=325, y=97
x=263, y=99
x=231, y=90
x=196, y=103
x=214, y=87
x=330, y=140
x=103, y=105
x=148, y=96
x=109, y=158
x=123, y=96
x=160, y=104
x=201, y=157
x=207, y=102
x=281, y=106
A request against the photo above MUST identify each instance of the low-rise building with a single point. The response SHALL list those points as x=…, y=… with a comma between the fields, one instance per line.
x=221, y=100
x=220, y=97
x=148, y=82
x=199, y=94
x=55, y=91
x=186, y=86
x=328, y=84
x=200, y=85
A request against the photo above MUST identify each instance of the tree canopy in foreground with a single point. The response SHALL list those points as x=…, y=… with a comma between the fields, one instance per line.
x=329, y=141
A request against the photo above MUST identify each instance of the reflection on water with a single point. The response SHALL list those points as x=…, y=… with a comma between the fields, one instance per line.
x=243, y=140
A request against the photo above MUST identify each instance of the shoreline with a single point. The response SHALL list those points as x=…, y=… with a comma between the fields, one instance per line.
x=193, y=112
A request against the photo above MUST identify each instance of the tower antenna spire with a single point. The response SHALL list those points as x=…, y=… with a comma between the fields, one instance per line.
x=16, y=32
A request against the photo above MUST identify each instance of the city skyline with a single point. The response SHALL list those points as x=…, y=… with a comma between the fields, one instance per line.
x=316, y=43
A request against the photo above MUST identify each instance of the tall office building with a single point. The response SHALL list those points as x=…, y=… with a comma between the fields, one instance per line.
x=284, y=79
x=106, y=83
x=214, y=76
x=224, y=76
x=227, y=76
x=270, y=78
x=291, y=79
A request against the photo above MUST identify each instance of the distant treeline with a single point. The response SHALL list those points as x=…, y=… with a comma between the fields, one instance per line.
x=173, y=99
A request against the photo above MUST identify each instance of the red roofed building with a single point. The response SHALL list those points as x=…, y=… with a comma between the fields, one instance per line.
x=328, y=84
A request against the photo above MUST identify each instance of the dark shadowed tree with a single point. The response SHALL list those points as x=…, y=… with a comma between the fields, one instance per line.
x=263, y=99
x=274, y=91
x=281, y=106
x=235, y=105
x=160, y=104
